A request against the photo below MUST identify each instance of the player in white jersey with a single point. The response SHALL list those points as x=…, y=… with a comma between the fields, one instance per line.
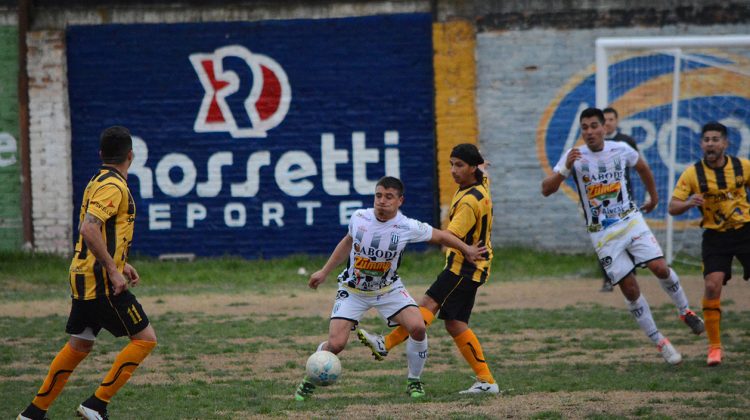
x=373, y=247
x=620, y=235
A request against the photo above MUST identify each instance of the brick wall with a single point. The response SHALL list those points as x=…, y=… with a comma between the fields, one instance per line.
x=49, y=141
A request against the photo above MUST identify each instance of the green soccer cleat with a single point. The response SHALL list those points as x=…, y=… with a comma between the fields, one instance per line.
x=304, y=390
x=415, y=388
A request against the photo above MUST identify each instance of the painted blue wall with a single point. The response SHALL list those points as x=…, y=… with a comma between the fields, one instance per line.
x=222, y=165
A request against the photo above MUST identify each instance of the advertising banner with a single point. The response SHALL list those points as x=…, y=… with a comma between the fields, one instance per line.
x=257, y=139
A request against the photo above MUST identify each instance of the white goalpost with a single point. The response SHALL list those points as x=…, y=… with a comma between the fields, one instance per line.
x=665, y=89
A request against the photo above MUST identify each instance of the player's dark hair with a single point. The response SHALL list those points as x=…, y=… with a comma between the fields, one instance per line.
x=610, y=110
x=592, y=112
x=470, y=154
x=391, y=182
x=715, y=126
x=114, y=144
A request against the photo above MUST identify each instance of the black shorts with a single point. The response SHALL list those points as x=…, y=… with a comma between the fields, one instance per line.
x=718, y=249
x=455, y=294
x=120, y=315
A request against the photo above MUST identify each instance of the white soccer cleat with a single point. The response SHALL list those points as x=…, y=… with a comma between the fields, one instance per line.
x=375, y=342
x=668, y=352
x=480, y=387
x=90, y=414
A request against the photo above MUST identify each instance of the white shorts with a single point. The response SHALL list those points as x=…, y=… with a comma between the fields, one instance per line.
x=351, y=304
x=624, y=246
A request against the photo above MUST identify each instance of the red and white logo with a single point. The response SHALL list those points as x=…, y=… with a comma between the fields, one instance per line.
x=263, y=107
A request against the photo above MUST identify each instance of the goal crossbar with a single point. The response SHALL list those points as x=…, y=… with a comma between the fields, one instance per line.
x=603, y=44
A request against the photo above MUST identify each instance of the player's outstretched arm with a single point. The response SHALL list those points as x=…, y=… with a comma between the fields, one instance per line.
x=472, y=253
x=338, y=256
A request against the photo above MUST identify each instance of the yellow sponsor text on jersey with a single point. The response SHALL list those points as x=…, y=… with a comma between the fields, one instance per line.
x=603, y=190
x=371, y=268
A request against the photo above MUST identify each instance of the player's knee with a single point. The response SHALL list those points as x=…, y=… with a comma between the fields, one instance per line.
x=660, y=268
x=147, y=334
x=150, y=337
x=429, y=303
x=83, y=346
x=418, y=332
x=713, y=286
x=455, y=328
x=661, y=272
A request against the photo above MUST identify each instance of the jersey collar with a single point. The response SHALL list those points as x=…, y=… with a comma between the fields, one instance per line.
x=111, y=169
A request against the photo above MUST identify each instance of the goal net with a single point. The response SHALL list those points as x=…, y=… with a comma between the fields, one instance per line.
x=665, y=89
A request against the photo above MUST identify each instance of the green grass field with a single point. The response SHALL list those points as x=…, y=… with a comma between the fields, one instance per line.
x=234, y=336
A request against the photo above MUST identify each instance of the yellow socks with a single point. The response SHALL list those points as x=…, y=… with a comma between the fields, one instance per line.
x=470, y=348
x=125, y=363
x=427, y=315
x=59, y=371
x=399, y=335
x=395, y=337
x=712, y=319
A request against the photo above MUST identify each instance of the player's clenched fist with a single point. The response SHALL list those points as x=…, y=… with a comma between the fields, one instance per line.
x=696, y=200
x=573, y=156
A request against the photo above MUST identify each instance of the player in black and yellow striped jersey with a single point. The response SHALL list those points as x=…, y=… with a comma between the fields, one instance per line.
x=717, y=185
x=99, y=280
x=107, y=199
x=471, y=220
x=454, y=291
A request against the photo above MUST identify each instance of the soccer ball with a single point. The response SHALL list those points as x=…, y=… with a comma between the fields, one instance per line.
x=323, y=368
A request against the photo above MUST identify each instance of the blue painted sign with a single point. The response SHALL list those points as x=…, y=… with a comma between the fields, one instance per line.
x=257, y=139
x=641, y=91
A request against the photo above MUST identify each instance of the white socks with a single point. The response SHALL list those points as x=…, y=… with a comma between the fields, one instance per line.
x=416, y=356
x=671, y=285
x=642, y=313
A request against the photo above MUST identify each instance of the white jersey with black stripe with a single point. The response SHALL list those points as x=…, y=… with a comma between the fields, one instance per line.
x=377, y=248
